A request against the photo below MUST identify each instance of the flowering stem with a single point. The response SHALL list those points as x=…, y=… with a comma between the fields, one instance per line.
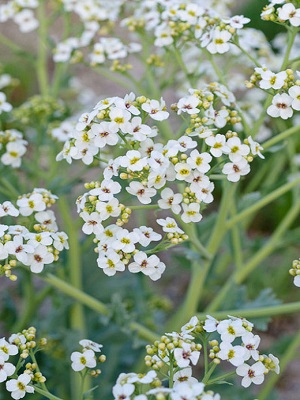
x=291, y=38
x=236, y=241
x=289, y=355
x=46, y=394
x=263, y=202
x=113, y=78
x=182, y=65
x=221, y=378
x=94, y=304
x=41, y=65
x=205, y=380
x=281, y=309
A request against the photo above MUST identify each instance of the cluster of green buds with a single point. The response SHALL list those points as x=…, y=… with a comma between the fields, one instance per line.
x=295, y=272
x=27, y=341
x=6, y=270
x=117, y=66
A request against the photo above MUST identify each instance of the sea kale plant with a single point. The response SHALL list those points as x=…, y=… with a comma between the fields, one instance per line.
x=163, y=137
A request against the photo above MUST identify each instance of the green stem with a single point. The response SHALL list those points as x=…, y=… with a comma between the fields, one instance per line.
x=182, y=65
x=283, y=135
x=221, y=378
x=41, y=65
x=236, y=241
x=291, y=38
x=113, y=78
x=289, y=355
x=263, y=202
x=199, y=273
x=46, y=394
x=281, y=309
x=95, y=305
x=205, y=380
x=239, y=276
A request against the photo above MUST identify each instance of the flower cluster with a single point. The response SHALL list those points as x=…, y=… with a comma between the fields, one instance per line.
x=182, y=21
x=34, y=247
x=21, y=12
x=86, y=358
x=4, y=105
x=23, y=345
x=295, y=272
x=179, y=352
x=284, y=85
x=12, y=147
x=282, y=11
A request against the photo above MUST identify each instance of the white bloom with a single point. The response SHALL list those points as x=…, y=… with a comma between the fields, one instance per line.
x=82, y=360
x=251, y=374
x=183, y=170
x=133, y=161
x=7, y=208
x=237, y=21
x=190, y=326
x=272, y=80
x=146, y=235
x=123, y=391
x=60, y=240
x=107, y=190
x=3, y=252
x=156, y=109
x=255, y=147
x=185, y=355
x=217, y=145
x=143, y=193
x=105, y=133
x=6, y=369
x=119, y=118
x=184, y=375
x=281, y=106
x=18, y=249
x=7, y=349
x=14, y=152
x=199, y=161
x=90, y=345
x=92, y=223
x=143, y=263
x=125, y=240
x=170, y=200
x=251, y=343
x=218, y=118
x=234, y=354
x=188, y=104
x=109, y=209
x=191, y=213
x=138, y=130
x=110, y=262
x=19, y=387
x=235, y=170
x=28, y=205
x=35, y=239
x=229, y=329
x=39, y=258
x=219, y=43
x=237, y=150
x=169, y=225
x=294, y=92
x=127, y=103
x=47, y=219
x=210, y=324
x=4, y=105
x=187, y=390
x=288, y=12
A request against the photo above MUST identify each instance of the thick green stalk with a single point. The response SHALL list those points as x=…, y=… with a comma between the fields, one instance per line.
x=289, y=355
x=239, y=276
x=283, y=135
x=262, y=203
x=41, y=64
x=46, y=394
x=200, y=272
x=269, y=311
x=95, y=305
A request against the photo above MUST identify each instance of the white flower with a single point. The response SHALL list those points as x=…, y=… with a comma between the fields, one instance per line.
x=105, y=133
x=109, y=209
x=6, y=369
x=82, y=360
x=142, y=378
x=18, y=249
x=125, y=241
x=127, y=103
x=123, y=391
x=19, y=387
x=272, y=80
x=138, y=130
x=281, y=106
x=92, y=223
x=188, y=104
x=289, y=12
x=183, y=170
x=60, y=240
x=251, y=343
x=199, y=161
x=229, y=330
x=237, y=21
x=210, y=324
x=237, y=150
x=119, y=118
x=146, y=235
x=90, y=345
x=187, y=390
x=235, y=170
x=7, y=349
x=218, y=118
x=169, y=225
x=28, y=205
x=4, y=105
x=143, y=263
x=185, y=143
x=219, y=43
x=234, y=354
x=191, y=213
x=39, y=258
x=35, y=239
x=7, y=208
x=14, y=152
x=185, y=355
x=156, y=109
x=133, y=161
x=255, y=147
x=143, y=193
x=110, y=262
x=170, y=200
x=190, y=326
x=217, y=144
x=107, y=190
x=184, y=375
x=26, y=20
x=274, y=365
x=251, y=374
x=47, y=219
x=294, y=92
